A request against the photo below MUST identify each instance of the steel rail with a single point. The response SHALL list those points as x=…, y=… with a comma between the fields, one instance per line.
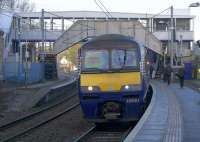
x=104, y=135
x=28, y=116
x=41, y=124
x=84, y=134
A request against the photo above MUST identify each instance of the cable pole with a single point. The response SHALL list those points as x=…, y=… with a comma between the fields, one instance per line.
x=42, y=29
x=26, y=66
x=181, y=48
x=103, y=8
x=43, y=40
x=172, y=37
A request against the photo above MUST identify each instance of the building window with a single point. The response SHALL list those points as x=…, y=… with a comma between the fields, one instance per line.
x=186, y=44
x=183, y=24
x=161, y=24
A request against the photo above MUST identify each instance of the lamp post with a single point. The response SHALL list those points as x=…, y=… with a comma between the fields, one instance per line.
x=19, y=32
x=20, y=53
x=172, y=36
x=181, y=48
x=26, y=64
x=45, y=37
x=42, y=57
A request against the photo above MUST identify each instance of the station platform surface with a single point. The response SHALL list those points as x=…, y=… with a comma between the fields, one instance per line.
x=172, y=116
x=16, y=101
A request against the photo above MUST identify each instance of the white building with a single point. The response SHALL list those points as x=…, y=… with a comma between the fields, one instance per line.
x=183, y=32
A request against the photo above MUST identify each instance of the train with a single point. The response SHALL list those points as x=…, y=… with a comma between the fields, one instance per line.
x=113, y=82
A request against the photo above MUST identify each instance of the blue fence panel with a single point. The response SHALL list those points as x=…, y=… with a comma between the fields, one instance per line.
x=21, y=74
x=36, y=73
x=16, y=72
x=10, y=70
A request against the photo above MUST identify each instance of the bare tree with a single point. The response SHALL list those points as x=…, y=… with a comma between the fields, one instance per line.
x=24, y=5
x=7, y=4
x=4, y=3
x=21, y=5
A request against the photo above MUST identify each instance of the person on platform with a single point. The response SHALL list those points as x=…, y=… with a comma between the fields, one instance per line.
x=168, y=71
x=180, y=75
x=151, y=71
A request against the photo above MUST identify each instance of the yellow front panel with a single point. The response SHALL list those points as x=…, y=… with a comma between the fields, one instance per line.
x=110, y=81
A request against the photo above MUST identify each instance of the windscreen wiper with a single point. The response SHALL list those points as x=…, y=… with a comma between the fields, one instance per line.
x=124, y=61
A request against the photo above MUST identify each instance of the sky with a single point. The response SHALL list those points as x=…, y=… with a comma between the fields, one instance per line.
x=132, y=6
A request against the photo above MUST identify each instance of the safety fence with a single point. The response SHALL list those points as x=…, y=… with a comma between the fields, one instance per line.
x=25, y=72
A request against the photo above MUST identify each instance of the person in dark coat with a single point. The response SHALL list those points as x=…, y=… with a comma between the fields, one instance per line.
x=164, y=74
x=168, y=71
x=151, y=70
x=180, y=75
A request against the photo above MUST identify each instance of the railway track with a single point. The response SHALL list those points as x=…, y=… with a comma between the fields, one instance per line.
x=106, y=133
x=26, y=124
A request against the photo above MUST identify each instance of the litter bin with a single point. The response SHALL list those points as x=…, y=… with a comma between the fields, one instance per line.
x=188, y=71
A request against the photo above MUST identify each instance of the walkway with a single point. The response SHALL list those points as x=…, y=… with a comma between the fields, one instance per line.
x=173, y=116
x=189, y=101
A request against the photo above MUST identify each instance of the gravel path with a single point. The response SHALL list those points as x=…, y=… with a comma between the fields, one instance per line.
x=7, y=97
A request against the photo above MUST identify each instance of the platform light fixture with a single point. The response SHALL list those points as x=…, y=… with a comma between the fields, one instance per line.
x=196, y=4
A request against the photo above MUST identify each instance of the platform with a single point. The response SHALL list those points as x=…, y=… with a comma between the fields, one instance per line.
x=45, y=90
x=19, y=100
x=172, y=116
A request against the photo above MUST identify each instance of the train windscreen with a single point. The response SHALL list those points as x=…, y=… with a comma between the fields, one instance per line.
x=109, y=60
x=124, y=59
x=96, y=60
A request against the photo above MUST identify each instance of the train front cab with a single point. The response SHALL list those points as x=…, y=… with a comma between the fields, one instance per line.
x=109, y=94
x=120, y=104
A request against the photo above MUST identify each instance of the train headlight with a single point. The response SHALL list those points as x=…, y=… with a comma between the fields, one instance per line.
x=131, y=87
x=126, y=87
x=90, y=88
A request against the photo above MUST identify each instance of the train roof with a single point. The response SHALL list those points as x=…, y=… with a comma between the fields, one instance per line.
x=111, y=37
x=108, y=37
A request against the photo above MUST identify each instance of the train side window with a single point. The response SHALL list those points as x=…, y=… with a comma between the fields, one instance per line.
x=143, y=60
